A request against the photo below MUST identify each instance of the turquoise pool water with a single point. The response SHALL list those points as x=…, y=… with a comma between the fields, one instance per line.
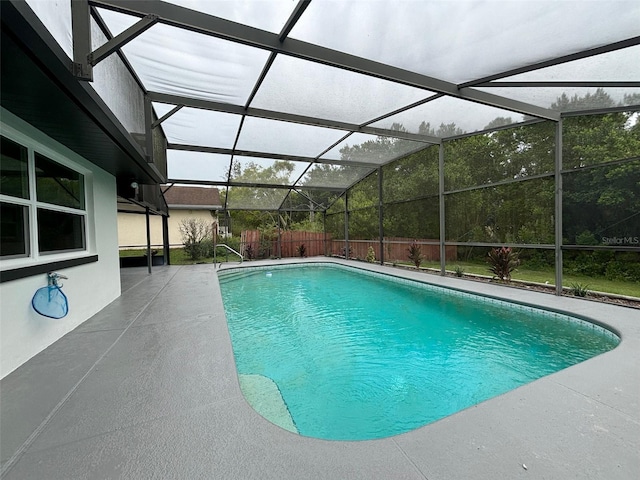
x=358, y=356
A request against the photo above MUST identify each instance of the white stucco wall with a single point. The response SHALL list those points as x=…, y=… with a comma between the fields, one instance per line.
x=89, y=288
x=132, y=227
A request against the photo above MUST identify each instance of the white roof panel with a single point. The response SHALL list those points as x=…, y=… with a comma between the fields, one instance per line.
x=249, y=198
x=266, y=170
x=208, y=167
x=180, y=62
x=568, y=99
x=371, y=149
x=56, y=16
x=268, y=15
x=194, y=126
x=440, y=116
x=463, y=40
x=336, y=176
x=619, y=65
x=311, y=89
x=272, y=136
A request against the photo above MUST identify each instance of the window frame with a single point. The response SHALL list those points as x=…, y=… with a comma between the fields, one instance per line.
x=34, y=256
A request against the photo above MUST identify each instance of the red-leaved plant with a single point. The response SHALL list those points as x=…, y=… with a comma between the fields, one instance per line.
x=415, y=254
x=502, y=261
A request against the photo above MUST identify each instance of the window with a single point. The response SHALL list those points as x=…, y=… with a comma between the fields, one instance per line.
x=14, y=230
x=42, y=204
x=14, y=167
x=57, y=184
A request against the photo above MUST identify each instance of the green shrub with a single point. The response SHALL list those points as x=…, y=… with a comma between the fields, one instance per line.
x=206, y=248
x=586, y=238
x=371, y=255
x=459, y=271
x=502, y=261
x=616, y=266
x=302, y=250
x=233, y=242
x=579, y=289
x=537, y=259
x=193, y=232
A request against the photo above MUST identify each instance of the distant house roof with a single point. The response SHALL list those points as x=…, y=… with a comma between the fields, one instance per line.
x=192, y=198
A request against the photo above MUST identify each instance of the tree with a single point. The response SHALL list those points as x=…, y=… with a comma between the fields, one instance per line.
x=603, y=201
x=598, y=99
x=254, y=200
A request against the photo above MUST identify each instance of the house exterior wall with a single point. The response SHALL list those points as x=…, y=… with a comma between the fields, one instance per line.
x=89, y=287
x=132, y=231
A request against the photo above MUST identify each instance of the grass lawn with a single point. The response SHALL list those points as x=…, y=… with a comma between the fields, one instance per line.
x=177, y=256
x=137, y=252
x=598, y=284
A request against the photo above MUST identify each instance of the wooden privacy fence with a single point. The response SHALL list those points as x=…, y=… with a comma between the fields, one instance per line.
x=317, y=243
x=290, y=241
x=395, y=249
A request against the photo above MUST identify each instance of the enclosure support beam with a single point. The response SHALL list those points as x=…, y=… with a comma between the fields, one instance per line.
x=148, y=222
x=443, y=249
x=558, y=208
x=380, y=216
x=173, y=111
x=81, y=36
x=121, y=39
x=346, y=225
x=287, y=117
x=279, y=235
x=165, y=240
x=324, y=236
x=148, y=129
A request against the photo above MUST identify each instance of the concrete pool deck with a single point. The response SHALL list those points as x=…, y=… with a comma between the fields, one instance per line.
x=147, y=388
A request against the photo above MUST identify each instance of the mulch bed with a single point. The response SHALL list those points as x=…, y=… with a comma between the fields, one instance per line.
x=551, y=289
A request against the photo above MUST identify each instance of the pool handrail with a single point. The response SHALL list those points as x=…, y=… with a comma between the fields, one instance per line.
x=215, y=261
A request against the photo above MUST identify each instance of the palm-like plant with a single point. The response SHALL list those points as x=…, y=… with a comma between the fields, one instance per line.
x=502, y=261
x=415, y=254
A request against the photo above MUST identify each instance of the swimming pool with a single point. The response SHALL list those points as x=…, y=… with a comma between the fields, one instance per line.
x=345, y=354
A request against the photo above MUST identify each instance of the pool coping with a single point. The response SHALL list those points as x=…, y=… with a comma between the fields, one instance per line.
x=147, y=388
